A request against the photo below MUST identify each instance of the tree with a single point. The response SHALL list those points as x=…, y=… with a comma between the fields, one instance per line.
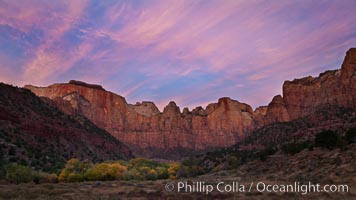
x=116, y=171
x=131, y=174
x=143, y=162
x=172, y=170
x=162, y=173
x=75, y=177
x=16, y=173
x=105, y=172
x=74, y=170
x=152, y=175
x=92, y=174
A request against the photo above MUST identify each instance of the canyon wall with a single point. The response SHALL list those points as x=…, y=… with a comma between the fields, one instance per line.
x=334, y=87
x=152, y=133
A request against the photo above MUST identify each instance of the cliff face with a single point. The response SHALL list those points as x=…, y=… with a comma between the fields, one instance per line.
x=161, y=134
x=150, y=132
x=337, y=87
x=35, y=132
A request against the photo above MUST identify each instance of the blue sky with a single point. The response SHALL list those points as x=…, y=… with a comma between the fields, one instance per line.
x=192, y=52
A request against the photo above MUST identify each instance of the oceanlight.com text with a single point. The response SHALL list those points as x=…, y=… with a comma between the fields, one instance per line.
x=236, y=187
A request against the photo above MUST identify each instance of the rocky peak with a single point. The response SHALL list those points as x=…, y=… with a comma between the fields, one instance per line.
x=186, y=112
x=277, y=111
x=277, y=100
x=224, y=100
x=146, y=108
x=171, y=108
x=211, y=107
x=348, y=67
x=229, y=104
x=198, y=111
x=261, y=110
x=80, y=83
x=226, y=103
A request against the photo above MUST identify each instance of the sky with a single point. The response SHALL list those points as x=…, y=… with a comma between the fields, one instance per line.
x=189, y=51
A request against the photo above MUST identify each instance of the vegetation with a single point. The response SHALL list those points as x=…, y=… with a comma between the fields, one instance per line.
x=230, y=158
x=327, y=139
x=136, y=169
x=221, y=159
x=350, y=136
x=16, y=173
x=78, y=171
x=296, y=147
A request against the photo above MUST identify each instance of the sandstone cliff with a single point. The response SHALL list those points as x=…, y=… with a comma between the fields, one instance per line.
x=336, y=87
x=221, y=124
x=150, y=132
x=35, y=133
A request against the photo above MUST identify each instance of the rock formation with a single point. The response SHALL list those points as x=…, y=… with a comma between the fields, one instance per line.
x=276, y=111
x=34, y=132
x=336, y=87
x=163, y=134
x=148, y=131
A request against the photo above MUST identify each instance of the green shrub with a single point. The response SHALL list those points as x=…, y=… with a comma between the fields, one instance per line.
x=42, y=177
x=326, y=139
x=152, y=175
x=263, y=154
x=295, y=147
x=233, y=162
x=92, y=174
x=143, y=162
x=162, y=173
x=16, y=173
x=73, y=177
x=131, y=174
x=350, y=136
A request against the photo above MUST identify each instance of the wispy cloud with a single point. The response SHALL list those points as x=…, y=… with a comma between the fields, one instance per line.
x=192, y=52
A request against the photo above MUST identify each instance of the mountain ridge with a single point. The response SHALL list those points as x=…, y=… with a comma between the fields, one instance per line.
x=143, y=127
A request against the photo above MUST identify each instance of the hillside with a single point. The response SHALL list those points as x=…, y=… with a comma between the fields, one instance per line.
x=35, y=133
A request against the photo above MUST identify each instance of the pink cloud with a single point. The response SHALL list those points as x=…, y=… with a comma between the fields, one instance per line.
x=257, y=77
x=240, y=48
x=47, y=64
x=48, y=60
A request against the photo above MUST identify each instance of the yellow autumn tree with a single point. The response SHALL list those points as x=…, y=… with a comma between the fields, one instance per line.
x=172, y=170
x=74, y=171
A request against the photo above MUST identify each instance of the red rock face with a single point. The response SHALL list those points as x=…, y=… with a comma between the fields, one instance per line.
x=276, y=111
x=152, y=133
x=337, y=87
x=143, y=127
